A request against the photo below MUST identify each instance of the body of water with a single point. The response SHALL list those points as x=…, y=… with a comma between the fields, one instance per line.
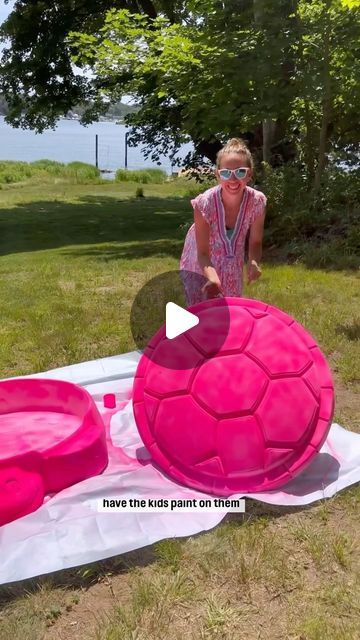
x=71, y=141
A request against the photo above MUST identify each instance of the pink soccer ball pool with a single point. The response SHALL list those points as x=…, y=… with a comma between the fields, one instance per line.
x=247, y=418
x=51, y=437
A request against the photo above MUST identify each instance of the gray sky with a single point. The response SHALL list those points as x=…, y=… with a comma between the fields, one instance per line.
x=5, y=9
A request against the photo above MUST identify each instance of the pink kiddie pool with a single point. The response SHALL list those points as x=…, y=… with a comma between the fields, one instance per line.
x=246, y=418
x=51, y=436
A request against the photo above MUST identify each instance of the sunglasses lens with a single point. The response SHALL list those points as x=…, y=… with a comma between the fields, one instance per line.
x=240, y=173
x=225, y=174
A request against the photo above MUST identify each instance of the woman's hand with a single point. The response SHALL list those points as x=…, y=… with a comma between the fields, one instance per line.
x=253, y=271
x=212, y=288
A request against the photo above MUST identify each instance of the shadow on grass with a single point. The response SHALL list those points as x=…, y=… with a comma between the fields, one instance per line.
x=352, y=332
x=329, y=259
x=131, y=250
x=135, y=228
x=81, y=577
x=85, y=576
x=95, y=220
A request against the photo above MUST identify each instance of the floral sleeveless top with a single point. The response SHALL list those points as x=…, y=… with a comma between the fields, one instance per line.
x=226, y=252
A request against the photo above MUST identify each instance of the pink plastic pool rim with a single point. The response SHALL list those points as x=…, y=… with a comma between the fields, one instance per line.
x=246, y=419
x=51, y=437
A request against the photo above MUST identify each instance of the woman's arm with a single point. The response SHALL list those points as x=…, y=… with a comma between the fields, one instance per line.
x=255, y=247
x=202, y=233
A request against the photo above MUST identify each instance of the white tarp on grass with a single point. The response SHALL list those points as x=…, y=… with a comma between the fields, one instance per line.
x=67, y=530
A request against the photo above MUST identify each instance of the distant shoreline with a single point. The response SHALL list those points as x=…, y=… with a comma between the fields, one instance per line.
x=101, y=119
x=70, y=141
x=77, y=119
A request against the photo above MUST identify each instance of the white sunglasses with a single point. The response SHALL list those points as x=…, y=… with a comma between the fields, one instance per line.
x=239, y=173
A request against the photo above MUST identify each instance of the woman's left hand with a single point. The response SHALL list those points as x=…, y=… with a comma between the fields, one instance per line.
x=253, y=271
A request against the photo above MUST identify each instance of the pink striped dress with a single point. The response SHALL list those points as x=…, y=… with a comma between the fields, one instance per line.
x=226, y=253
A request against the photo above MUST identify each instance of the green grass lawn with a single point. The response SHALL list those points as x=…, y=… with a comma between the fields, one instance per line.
x=72, y=258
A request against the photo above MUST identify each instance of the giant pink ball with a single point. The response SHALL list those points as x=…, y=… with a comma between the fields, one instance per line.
x=246, y=419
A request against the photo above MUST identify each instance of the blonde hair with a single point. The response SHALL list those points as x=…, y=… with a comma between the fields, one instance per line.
x=235, y=145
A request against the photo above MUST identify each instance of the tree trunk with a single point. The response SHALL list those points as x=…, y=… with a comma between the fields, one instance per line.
x=207, y=149
x=148, y=8
x=309, y=146
x=268, y=125
x=326, y=105
x=309, y=150
x=258, y=11
x=268, y=128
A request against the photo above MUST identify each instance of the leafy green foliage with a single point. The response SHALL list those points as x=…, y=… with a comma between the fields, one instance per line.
x=328, y=65
x=223, y=74
x=144, y=176
x=301, y=222
x=187, y=78
x=43, y=170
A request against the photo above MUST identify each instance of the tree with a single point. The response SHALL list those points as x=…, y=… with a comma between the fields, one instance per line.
x=37, y=76
x=326, y=75
x=215, y=76
x=40, y=83
x=282, y=75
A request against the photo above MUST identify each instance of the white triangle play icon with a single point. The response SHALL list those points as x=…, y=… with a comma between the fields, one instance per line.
x=178, y=320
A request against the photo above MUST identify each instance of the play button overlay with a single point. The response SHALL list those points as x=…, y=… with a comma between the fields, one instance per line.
x=178, y=320
x=171, y=333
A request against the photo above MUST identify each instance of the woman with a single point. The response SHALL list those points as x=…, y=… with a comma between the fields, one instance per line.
x=215, y=244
